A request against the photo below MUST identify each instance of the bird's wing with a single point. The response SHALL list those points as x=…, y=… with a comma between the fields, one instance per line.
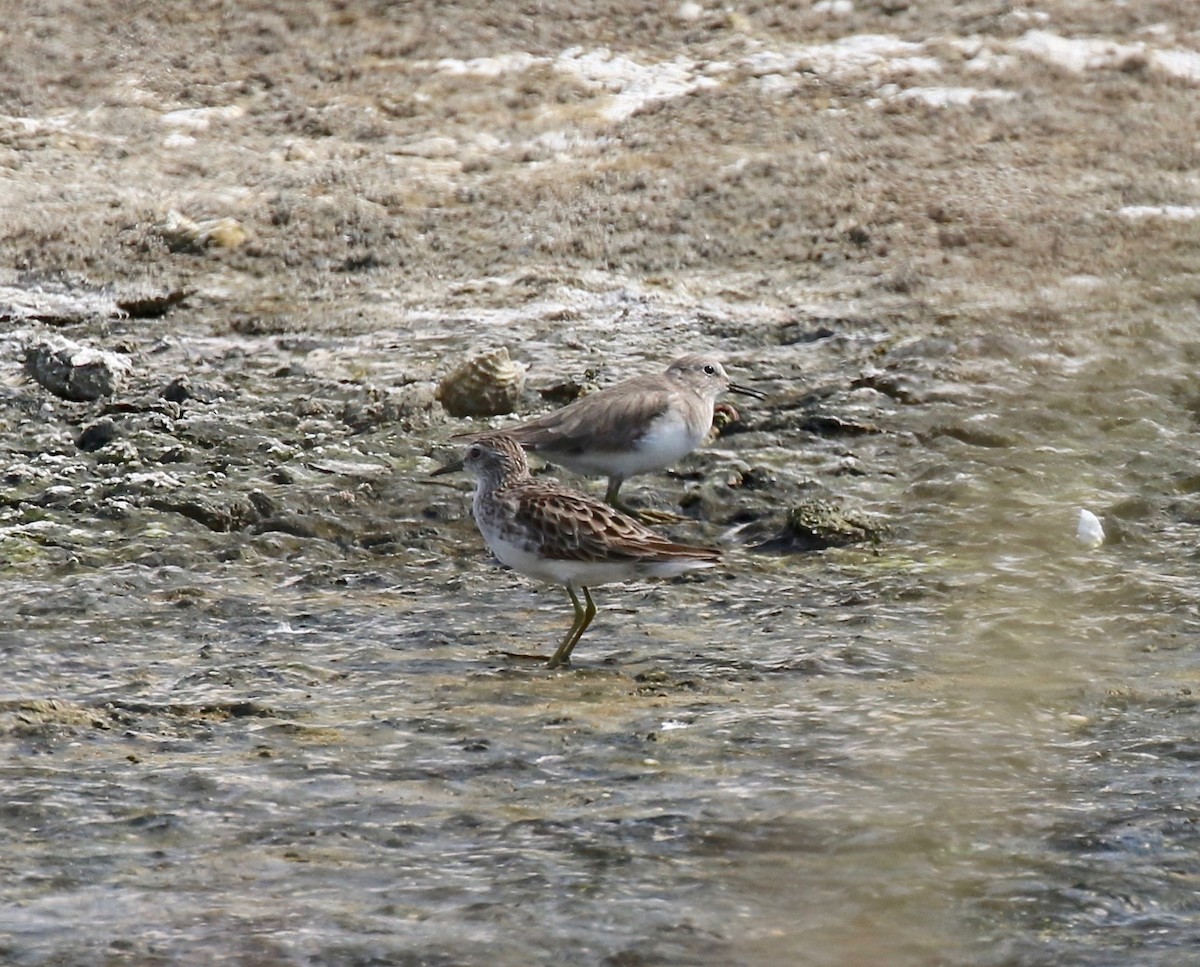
x=614, y=416
x=574, y=527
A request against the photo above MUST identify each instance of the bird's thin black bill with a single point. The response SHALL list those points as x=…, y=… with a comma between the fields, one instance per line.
x=746, y=391
x=454, y=467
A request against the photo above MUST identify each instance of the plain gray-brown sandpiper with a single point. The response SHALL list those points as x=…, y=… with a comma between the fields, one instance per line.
x=638, y=426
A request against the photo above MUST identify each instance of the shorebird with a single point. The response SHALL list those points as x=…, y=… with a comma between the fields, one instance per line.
x=560, y=536
x=638, y=426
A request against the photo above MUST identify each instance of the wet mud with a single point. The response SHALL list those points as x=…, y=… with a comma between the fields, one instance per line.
x=256, y=705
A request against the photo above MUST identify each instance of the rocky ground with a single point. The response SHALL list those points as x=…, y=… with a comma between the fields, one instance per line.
x=251, y=699
x=285, y=225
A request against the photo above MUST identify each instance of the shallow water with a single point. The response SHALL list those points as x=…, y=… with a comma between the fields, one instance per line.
x=973, y=745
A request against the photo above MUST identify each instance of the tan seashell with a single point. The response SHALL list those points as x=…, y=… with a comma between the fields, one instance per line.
x=184, y=235
x=485, y=385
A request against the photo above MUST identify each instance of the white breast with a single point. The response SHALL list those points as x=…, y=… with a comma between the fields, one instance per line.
x=667, y=441
x=670, y=439
x=579, y=573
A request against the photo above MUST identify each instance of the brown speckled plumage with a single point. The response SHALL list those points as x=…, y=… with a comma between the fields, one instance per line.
x=555, y=534
x=573, y=527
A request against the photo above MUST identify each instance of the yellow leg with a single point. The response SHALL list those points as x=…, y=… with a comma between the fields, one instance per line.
x=657, y=516
x=583, y=618
x=568, y=642
x=588, y=615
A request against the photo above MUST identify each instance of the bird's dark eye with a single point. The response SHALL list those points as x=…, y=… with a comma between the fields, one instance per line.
x=474, y=453
x=710, y=370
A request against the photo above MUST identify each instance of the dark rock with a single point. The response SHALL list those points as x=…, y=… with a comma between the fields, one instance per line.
x=975, y=436
x=262, y=503
x=178, y=390
x=239, y=512
x=896, y=385
x=181, y=389
x=97, y=434
x=817, y=524
x=568, y=390
x=835, y=426
x=313, y=526
x=75, y=372
x=152, y=305
x=803, y=331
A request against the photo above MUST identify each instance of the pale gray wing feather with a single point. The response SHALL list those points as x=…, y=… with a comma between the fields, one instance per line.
x=610, y=419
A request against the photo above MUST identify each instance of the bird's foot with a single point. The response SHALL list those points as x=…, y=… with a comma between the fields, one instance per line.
x=647, y=516
x=650, y=516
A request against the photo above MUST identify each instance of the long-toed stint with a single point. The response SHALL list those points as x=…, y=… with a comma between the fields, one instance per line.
x=639, y=426
x=554, y=534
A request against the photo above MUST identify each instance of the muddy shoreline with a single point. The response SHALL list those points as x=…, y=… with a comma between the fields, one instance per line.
x=255, y=702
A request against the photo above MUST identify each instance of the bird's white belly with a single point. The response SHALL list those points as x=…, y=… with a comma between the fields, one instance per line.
x=667, y=441
x=578, y=573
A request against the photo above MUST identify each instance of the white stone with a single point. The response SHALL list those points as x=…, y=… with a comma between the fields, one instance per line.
x=1090, y=531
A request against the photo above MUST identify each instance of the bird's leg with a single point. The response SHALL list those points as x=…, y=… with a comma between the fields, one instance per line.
x=583, y=617
x=562, y=656
x=645, y=516
x=588, y=615
x=611, y=498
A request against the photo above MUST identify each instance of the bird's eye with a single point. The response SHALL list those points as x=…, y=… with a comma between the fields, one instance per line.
x=474, y=453
x=710, y=370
